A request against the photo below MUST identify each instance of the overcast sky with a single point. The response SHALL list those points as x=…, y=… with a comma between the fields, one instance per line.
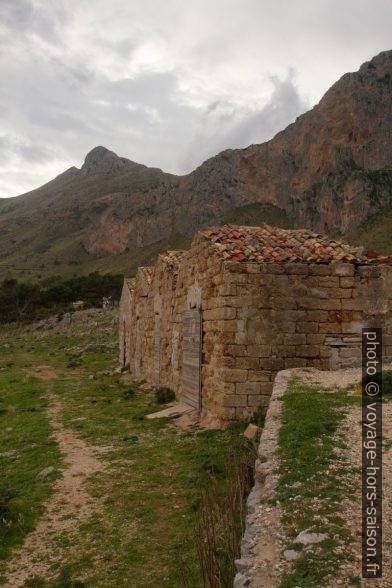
x=166, y=83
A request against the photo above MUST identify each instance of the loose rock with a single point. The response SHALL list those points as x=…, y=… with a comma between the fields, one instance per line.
x=8, y=453
x=252, y=432
x=291, y=555
x=45, y=473
x=307, y=538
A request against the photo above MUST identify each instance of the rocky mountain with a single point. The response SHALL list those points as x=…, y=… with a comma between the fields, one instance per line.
x=330, y=171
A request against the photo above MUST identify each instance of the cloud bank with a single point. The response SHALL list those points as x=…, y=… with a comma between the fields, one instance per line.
x=165, y=84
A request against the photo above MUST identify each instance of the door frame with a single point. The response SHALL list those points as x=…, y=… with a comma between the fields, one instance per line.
x=196, y=312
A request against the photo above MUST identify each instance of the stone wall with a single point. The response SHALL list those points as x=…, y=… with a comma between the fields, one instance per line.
x=279, y=316
x=139, y=324
x=196, y=282
x=200, y=281
x=261, y=544
x=125, y=322
x=256, y=319
x=266, y=553
x=157, y=313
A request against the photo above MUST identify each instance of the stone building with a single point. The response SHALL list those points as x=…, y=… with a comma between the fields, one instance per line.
x=125, y=316
x=215, y=323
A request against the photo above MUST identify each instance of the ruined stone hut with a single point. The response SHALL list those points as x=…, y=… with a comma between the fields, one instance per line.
x=215, y=323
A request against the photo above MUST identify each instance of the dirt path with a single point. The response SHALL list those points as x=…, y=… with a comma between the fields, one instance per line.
x=43, y=372
x=67, y=508
x=351, y=509
x=262, y=563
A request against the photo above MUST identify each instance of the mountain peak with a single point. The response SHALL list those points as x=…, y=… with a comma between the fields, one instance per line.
x=103, y=161
x=99, y=160
x=98, y=153
x=328, y=171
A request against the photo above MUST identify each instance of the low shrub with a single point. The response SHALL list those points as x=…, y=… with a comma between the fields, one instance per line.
x=65, y=580
x=221, y=520
x=164, y=395
x=6, y=495
x=128, y=393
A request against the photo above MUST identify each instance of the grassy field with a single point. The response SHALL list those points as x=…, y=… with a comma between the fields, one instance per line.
x=142, y=533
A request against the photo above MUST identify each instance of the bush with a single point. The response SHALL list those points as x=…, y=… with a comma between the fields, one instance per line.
x=258, y=417
x=6, y=495
x=164, y=395
x=35, y=582
x=128, y=393
x=221, y=520
x=73, y=363
x=22, y=301
x=65, y=580
x=209, y=465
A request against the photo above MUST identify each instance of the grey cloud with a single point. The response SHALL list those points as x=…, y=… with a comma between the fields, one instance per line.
x=16, y=15
x=148, y=89
x=35, y=153
x=13, y=147
x=226, y=126
x=169, y=84
x=29, y=18
x=283, y=107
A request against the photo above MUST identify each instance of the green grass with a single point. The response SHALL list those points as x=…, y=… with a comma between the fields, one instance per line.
x=24, y=431
x=313, y=480
x=149, y=492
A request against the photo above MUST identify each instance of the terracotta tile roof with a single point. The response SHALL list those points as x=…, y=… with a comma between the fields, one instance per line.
x=147, y=273
x=270, y=244
x=130, y=282
x=172, y=258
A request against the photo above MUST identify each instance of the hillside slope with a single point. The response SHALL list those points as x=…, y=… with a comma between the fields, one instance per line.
x=330, y=170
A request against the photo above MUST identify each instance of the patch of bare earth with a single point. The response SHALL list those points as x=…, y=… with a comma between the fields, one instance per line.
x=350, y=509
x=68, y=507
x=43, y=372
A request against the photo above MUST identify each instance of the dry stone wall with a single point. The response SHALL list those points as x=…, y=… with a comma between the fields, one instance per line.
x=279, y=316
x=257, y=319
x=140, y=325
x=199, y=279
x=125, y=322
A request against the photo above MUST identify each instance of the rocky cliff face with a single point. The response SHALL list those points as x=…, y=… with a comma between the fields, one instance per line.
x=333, y=167
x=329, y=170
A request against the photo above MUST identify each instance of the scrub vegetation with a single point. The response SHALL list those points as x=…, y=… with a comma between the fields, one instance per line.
x=147, y=498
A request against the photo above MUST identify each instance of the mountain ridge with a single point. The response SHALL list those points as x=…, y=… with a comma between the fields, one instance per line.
x=330, y=170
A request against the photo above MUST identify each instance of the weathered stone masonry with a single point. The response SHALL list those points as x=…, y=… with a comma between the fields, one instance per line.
x=256, y=318
x=125, y=319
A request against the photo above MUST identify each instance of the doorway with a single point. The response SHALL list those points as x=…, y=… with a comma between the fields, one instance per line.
x=191, y=362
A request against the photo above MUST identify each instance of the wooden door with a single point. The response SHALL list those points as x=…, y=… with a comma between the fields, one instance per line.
x=191, y=359
x=137, y=349
x=157, y=349
x=124, y=343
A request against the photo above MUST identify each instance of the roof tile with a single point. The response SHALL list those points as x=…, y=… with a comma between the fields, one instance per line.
x=271, y=244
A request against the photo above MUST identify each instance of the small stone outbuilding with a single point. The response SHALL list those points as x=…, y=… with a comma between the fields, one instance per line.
x=216, y=322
